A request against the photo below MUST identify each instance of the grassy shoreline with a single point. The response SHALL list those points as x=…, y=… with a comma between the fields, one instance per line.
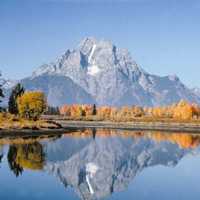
x=61, y=124
x=151, y=126
x=13, y=123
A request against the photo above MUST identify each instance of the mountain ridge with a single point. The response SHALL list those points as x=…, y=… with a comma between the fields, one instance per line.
x=110, y=76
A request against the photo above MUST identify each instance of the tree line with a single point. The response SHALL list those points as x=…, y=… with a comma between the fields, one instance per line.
x=182, y=110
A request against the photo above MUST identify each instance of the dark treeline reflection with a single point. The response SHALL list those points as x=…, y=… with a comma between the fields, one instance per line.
x=25, y=156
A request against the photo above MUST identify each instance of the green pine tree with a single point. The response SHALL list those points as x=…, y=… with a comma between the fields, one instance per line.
x=94, y=110
x=1, y=94
x=17, y=91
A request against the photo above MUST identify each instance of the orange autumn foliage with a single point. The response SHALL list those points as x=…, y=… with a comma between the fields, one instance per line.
x=180, y=111
x=183, y=110
x=65, y=110
x=104, y=112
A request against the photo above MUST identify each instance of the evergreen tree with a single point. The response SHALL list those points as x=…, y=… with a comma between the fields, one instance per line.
x=1, y=93
x=94, y=110
x=52, y=111
x=17, y=91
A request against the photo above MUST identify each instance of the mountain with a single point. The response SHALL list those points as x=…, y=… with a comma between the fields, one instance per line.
x=112, y=77
x=6, y=86
x=58, y=89
x=98, y=71
x=196, y=91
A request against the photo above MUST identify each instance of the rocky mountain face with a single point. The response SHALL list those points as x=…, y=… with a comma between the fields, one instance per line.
x=98, y=71
x=7, y=85
x=95, y=168
x=196, y=91
x=58, y=89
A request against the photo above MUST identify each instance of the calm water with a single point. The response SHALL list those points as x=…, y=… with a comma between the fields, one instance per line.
x=101, y=164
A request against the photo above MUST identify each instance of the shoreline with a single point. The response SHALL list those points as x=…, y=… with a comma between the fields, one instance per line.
x=70, y=126
x=146, y=126
x=34, y=133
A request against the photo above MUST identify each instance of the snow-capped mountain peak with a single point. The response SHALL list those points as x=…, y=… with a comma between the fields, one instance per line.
x=91, y=56
x=108, y=75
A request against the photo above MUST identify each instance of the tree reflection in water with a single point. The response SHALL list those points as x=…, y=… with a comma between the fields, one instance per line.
x=1, y=156
x=14, y=166
x=25, y=156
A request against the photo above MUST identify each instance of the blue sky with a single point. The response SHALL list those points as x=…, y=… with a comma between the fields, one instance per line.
x=163, y=36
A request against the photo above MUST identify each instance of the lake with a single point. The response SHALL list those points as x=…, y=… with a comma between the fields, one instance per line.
x=101, y=164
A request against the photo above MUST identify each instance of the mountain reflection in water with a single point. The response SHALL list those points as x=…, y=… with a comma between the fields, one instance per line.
x=96, y=163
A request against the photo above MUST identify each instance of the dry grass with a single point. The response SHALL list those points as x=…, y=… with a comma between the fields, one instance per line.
x=8, y=121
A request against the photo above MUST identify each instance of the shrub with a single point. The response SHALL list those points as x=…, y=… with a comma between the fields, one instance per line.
x=1, y=94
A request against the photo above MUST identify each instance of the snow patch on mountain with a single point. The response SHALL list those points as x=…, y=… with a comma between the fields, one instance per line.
x=91, y=54
x=93, y=70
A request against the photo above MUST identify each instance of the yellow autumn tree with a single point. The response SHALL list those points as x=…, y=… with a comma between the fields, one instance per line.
x=183, y=111
x=104, y=112
x=114, y=113
x=77, y=110
x=30, y=156
x=32, y=104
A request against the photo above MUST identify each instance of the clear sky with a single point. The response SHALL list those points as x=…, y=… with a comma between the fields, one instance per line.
x=163, y=36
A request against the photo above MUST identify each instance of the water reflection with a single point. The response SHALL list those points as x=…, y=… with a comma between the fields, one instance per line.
x=97, y=163
x=25, y=156
x=1, y=154
x=14, y=166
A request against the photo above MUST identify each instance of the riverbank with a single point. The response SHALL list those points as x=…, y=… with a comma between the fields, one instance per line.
x=151, y=126
x=23, y=125
x=59, y=126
